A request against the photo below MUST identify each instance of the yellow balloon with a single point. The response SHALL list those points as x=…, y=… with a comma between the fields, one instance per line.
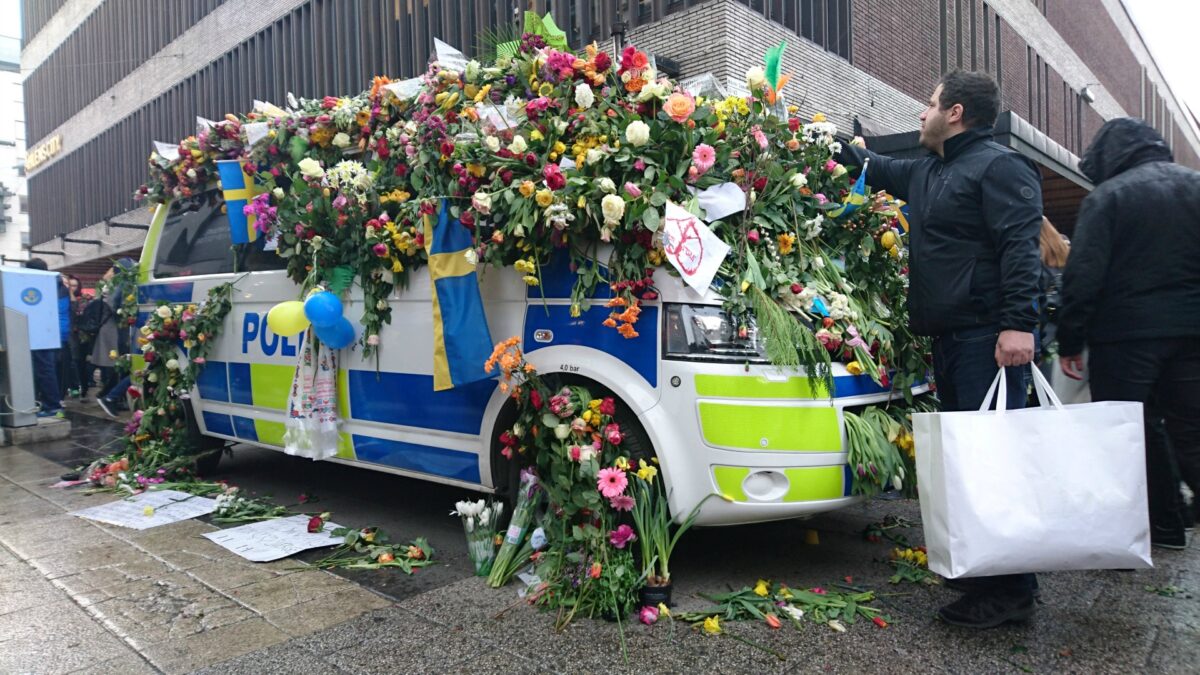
x=287, y=318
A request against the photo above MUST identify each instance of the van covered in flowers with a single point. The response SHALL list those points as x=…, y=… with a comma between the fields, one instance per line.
x=692, y=392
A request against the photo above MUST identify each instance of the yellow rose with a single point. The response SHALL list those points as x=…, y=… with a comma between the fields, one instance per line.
x=527, y=189
x=854, y=368
x=545, y=198
x=819, y=117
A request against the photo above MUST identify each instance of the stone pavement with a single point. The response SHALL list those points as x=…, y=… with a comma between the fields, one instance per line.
x=77, y=596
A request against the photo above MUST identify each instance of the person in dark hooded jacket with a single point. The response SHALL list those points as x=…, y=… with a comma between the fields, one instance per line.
x=1131, y=293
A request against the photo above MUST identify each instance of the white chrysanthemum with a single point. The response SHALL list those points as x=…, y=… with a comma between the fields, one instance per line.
x=350, y=176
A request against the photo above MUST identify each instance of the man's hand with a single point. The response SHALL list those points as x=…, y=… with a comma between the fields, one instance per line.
x=1014, y=348
x=1072, y=366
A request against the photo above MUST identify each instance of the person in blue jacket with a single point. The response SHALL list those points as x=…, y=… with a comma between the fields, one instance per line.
x=45, y=361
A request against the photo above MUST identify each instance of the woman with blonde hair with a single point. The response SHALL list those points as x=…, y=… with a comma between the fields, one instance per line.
x=1055, y=248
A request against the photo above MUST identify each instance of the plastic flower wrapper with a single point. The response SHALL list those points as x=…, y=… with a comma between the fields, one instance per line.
x=480, y=521
x=508, y=560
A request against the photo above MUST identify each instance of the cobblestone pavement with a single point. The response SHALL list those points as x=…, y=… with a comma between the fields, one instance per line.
x=77, y=596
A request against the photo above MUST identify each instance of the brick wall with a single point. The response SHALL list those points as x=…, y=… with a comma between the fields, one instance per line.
x=897, y=41
x=1089, y=30
x=1014, y=71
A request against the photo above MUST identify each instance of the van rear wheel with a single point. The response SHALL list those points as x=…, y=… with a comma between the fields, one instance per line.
x=208, y=449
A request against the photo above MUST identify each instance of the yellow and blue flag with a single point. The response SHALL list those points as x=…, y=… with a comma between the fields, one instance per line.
x=238, y=188
x=461, y=340
x=856, y=198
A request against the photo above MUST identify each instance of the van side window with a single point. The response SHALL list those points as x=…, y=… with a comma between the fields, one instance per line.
x=195, y=240
x=259, y=256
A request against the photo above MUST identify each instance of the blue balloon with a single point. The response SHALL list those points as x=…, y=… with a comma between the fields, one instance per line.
x=337, y=336
x=323, y=309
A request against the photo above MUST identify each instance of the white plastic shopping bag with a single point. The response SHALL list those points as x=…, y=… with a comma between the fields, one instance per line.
x=1056, y=487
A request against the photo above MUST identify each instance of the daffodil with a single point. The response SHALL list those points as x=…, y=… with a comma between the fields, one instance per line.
x=762, y=588
x=645, y=471
x=622, y=463
x=712, y=625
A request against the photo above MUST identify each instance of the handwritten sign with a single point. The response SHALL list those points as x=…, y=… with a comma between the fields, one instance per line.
x=274, y=539
x=150, y=509
x=691, y=247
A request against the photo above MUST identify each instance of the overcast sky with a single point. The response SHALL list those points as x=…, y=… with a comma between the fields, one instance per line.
x=1169, y=30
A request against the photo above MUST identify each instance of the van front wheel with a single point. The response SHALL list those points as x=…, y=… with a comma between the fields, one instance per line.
x=506, y=473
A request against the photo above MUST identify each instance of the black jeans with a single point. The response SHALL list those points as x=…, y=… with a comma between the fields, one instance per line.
x=964, y=365
x=1164, y=375
x=45, y=378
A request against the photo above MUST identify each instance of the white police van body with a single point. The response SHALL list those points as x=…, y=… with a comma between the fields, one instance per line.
x=718, y=418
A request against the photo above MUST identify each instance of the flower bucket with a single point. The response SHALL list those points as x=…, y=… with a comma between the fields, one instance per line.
x=653, y=596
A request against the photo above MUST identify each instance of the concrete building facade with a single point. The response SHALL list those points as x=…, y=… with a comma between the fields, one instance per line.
x=14, y=198
x=106, y=78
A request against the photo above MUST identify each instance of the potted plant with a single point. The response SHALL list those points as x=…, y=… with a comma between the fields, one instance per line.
x=657, y=534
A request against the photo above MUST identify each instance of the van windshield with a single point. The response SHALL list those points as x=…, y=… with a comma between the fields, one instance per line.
x=195, y=240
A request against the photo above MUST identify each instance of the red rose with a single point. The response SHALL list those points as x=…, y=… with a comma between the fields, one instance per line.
x=535, y=398
x=608, y=406
x=555, y=180
x=797, y=289
x=447, y=148
x=401, y=170
x=794, y=124
x=602, y=62
x=760, y=183
x=315, y=524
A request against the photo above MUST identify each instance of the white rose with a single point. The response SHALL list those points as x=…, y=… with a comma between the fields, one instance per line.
x=584, y=98
x=586, y=452
x=560, y=125
x=756, y=78
x=518, y=430
x=482, y=201
x=658, y=90
x=311, y=169
x=637, y=133
x=163, y=312
x=518, y=145
x=606, y=185
x=613, y=208
x=492, y=143
x=173, y=364
x=278, y=192
x=341, y=140
x=799, y=180
x=593, y=155
x=471, y=256
x=562, y=431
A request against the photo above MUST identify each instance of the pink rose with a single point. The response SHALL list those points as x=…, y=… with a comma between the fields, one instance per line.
x=622, y=536
x=612, y=434
x=648, y=615
x=633, y=190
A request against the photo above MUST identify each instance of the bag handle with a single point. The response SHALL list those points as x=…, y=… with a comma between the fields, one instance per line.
x=1041, y=387
x=1043, y=390
x=999, y=383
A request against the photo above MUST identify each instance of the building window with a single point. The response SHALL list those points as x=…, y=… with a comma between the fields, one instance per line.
x=825, y=22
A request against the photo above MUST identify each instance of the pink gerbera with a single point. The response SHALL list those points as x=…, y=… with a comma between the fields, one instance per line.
x=703, y=157
x=611, y=482
x=621, y=503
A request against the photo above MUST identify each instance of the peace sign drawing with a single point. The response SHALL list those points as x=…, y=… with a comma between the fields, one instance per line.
x=682, y=243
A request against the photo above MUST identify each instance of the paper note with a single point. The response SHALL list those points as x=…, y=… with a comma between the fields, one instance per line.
x=448, y=57
x=691, y=247
x=405, y=89
x=255, y=132
x=150, y=509
x=721, y=200
x=274, y=539
x=166, y=151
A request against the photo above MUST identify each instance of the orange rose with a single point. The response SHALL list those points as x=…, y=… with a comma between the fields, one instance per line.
x=680, y=106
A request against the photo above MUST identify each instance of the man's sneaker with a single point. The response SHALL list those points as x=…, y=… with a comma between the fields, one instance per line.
x=1174, y=539
x=978, y=585
x=987, y=610
x=56, y=413
x=106, y=406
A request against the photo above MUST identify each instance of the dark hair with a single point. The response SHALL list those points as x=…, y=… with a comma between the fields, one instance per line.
x=976, y=92
x=36, y=264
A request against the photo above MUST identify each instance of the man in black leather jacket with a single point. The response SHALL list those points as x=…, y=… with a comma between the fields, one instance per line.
x=1131, y=292
x=975, y=213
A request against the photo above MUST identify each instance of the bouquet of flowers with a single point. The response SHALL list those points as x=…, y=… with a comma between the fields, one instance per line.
x=515, y=550
x=480, y=520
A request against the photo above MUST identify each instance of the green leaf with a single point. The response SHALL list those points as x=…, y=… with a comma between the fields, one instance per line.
x=651, y=219
x=340, y=279
x=297, y=148
x=550, y=420
x=658, y=198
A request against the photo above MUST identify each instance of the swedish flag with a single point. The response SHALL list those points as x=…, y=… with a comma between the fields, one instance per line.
x=238, y=188
x=461, y=341
x=856, y=198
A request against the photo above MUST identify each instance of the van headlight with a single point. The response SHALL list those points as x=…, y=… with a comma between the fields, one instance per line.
x=708, y=333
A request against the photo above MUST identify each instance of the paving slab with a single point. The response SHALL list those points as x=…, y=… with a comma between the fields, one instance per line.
x=55, y=637
x=170, y=607
x=287, y=591
x=325, y=611
x=181, y=655
x=288, y=658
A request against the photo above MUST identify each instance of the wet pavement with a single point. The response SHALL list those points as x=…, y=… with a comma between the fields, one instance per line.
x=78, y=596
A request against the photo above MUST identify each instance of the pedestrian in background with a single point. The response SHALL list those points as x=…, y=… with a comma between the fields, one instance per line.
x=112, y=339
x=1131, y=294
x=68, y=357
x=83, y=340
x=45, y=361
x=975, y=276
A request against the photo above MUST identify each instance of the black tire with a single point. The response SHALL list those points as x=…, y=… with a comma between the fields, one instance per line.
x=208, y=449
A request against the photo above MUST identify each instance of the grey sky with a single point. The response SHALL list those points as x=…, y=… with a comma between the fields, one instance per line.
x=1168, y=28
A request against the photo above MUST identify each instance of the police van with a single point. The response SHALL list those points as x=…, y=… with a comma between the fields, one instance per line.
x=715, y=413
